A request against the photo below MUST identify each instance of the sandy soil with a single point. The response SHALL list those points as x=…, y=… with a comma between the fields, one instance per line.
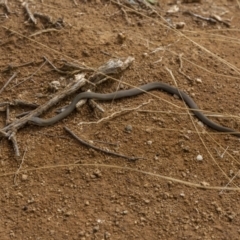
x=61, y=189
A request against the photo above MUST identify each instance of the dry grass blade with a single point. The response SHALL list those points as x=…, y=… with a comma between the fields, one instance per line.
x=166, y=178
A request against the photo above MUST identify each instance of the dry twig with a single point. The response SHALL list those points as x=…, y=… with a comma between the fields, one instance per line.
x=19, y=169
x=7, y=114
x=100, y=149
x=8, y=81
x=27, y=78
x=118, y=113
x=4, y=3
x=30, y=14
x=44, y=31
x=111, y=67
x=12, y=67
x=180, y=70
x=10, y=130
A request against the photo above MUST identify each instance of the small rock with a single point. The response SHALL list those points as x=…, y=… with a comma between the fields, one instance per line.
x=68, y=213
x=81, y=234
x=125, y=212
x=176, y=96
x=198, y=80
x=147, y=201
x=128, y=128
x=180, y=25
x=200, y=124
x=205, y=184
x=199, y=157
x=121, y=86
x=121, y=38
x=173, y=9
x=54, y=86
x=97, y=173
x=96, y=228
x=24, y=177
x=107, y=235
x=149, y=142
x=85, y=53
x=182, y=194
x=87, y=203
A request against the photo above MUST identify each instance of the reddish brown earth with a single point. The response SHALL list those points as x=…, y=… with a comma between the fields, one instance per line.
x=56, y=194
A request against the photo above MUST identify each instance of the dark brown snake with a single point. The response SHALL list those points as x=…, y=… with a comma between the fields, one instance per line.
x=130, y=93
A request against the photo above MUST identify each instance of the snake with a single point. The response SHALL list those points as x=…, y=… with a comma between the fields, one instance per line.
x=130, y=93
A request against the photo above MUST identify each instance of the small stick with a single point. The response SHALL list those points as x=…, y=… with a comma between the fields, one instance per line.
x=20, y=166
x=43, y=16
x=7, y=114
x=55, y=68
x=13, y=139
x=74, y=1
x=11, y=67
x=72, y=87
x=31, y=16
x=209, y=19
x=123, y=111
x=8, y=81
x=76, y=66
x=99, y=149
x=22, y=114
x=5, y=4
x=3, y=104
x=95, y=106
x=44, y=31
x=181, y=67
x=225, y=187
x=19, y=102
x=30, y=75
x=113, y=144
x=125, y=15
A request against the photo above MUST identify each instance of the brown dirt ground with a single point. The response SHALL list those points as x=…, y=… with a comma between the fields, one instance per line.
x=54, y=199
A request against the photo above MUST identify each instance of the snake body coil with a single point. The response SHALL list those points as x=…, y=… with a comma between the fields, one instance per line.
x=130, y=93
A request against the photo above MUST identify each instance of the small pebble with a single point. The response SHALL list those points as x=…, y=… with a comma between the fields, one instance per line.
x=182, y=194
x=205, y=184
x=107, y=235
x=68, y=213
x=86, y=203
x=149, y=142
x=54, y=86
x=24, y=177
x=176, y=96
x=81, y=234
x=125, y=212
x=199, y=157
x=128, y=128
x=96, y=228
x=97, y=173
x=180, y=25
x=198, y=80
x=121, y=38
x=200, y=124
